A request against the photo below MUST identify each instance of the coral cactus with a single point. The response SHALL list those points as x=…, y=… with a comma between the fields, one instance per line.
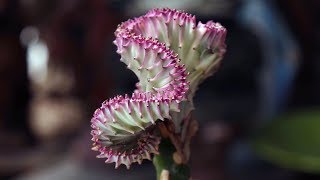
x=171, y=55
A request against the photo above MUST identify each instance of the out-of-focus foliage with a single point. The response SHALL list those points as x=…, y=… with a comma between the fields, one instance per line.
x=292, y=141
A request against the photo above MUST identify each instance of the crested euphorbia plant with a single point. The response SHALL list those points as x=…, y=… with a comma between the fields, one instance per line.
x=171, y=55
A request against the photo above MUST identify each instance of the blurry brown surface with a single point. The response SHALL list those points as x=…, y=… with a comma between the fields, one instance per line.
x=77, y=34
x=14, y=92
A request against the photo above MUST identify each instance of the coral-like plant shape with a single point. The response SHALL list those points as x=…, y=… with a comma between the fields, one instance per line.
x=171, y=55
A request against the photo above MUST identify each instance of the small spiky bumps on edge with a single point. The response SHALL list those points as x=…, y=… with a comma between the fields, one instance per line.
x=199, y=46
x=161, y=48
x=122, y=127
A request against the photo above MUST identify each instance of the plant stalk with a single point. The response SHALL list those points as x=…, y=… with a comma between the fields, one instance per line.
x=166, y=167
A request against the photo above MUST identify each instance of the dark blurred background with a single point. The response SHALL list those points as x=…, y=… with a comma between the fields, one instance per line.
x=58, y=64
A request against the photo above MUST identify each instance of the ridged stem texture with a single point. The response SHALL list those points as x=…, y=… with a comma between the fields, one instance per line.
x=171, y=55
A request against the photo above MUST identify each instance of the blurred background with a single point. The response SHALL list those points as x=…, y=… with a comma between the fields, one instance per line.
x=259, y=114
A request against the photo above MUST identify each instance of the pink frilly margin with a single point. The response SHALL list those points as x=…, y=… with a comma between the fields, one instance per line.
x=124, y=127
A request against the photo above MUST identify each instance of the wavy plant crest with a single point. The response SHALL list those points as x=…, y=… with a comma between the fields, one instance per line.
x=170, y=54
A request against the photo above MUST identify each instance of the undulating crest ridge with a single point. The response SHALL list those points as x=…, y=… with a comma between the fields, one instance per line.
x=200, y=47
x=170, y=54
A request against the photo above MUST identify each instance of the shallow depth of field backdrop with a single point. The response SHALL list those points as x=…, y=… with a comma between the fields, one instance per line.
x=259, y=115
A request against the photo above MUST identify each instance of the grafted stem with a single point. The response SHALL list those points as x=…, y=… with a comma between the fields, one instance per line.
x=164, y=163
x=174, y=151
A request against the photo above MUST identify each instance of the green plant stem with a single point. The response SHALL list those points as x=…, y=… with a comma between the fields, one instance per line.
x=164, y=161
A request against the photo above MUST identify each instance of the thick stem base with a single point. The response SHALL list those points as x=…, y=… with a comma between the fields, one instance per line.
x=164, y=161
